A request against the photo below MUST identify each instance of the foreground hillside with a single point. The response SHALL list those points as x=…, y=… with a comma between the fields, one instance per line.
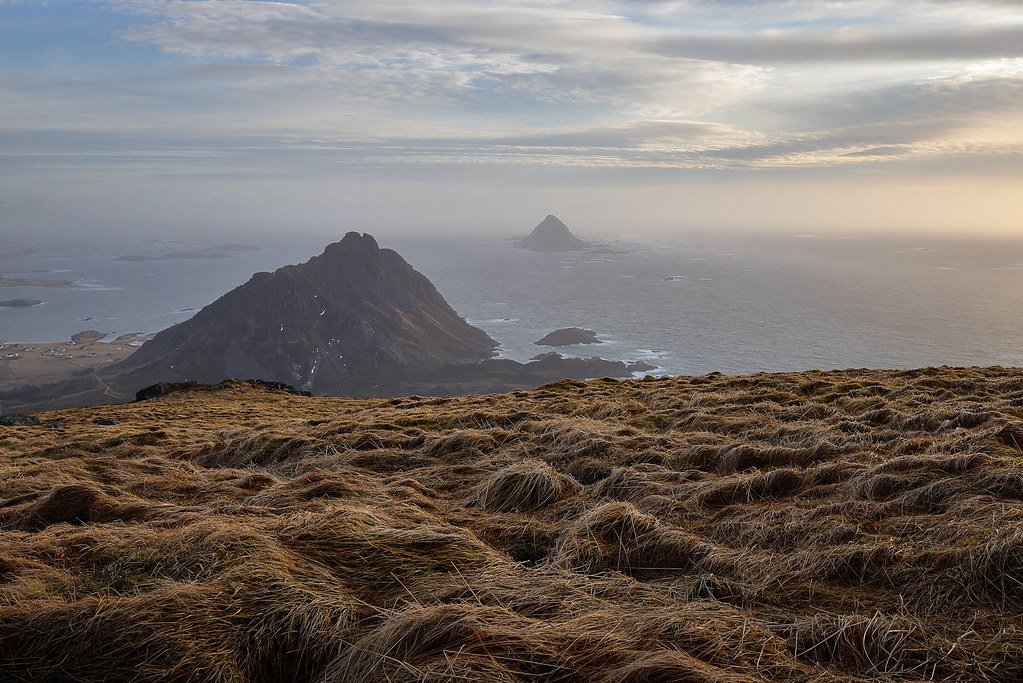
x=861, y=525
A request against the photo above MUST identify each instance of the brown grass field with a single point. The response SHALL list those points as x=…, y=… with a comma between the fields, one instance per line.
x=820, y=526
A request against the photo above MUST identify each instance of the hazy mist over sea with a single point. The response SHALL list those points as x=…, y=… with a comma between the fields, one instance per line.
x=693, y=304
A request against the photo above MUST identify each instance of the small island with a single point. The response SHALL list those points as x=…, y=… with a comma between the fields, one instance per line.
x=219, y=251
x=594, y=366
x=32, y=282
x=196, y=255
x=87, y=337
x=569, y=336
x=552, y=235
x=234, y=248
x=19, y=303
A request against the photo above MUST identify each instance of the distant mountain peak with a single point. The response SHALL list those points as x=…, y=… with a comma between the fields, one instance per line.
x=552, y=235
x=354, y=317
x=352, y=238
x=352, y=243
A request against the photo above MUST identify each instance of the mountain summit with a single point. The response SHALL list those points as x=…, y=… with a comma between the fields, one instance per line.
x=552, y=235
x=349, y=320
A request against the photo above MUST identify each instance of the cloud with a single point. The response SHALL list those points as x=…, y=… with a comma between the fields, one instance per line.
x=263, y=88
x=963, y=98
x=533, y=53
x=861, y=44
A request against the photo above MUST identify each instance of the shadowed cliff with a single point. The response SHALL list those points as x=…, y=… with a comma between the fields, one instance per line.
x=351, y=319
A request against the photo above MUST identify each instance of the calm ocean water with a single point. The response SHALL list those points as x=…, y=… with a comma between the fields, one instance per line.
x=694, y=305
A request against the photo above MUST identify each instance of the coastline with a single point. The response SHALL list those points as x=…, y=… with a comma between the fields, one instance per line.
x=24, y=364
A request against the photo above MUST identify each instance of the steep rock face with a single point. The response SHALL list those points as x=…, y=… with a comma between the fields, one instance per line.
x=355, y=317
x=552, y=235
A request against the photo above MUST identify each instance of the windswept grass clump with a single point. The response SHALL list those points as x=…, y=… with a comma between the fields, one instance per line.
x=69, y=504
x=993, y=571
x=619, y=537
x=415, y=644
x=521, y=486
x=612, y=536
x=819, y=526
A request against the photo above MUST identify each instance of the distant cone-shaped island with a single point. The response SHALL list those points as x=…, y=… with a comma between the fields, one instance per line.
x=552, y=235
x=355, y=316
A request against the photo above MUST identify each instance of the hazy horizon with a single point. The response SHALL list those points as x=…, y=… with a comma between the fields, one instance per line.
x=150, y=117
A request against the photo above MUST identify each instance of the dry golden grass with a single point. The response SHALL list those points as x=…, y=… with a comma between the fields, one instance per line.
x=818, y=526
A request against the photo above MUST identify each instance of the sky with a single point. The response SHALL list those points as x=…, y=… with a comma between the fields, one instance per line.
x=647, y=116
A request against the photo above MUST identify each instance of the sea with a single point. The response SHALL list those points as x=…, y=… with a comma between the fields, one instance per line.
x=686, y=303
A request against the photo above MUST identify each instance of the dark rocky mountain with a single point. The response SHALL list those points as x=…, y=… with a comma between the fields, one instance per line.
x=569, y=336
x=552, y=235
x=352, y=319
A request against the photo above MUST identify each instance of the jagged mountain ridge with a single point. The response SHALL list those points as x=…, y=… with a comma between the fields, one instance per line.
x=352, y=318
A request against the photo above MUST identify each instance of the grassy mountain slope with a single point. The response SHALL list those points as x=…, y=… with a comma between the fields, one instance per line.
x=818, y=526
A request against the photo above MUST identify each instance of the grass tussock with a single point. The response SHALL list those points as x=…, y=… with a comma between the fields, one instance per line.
x=521, y=486
x=819, y=526
x=69, y=504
